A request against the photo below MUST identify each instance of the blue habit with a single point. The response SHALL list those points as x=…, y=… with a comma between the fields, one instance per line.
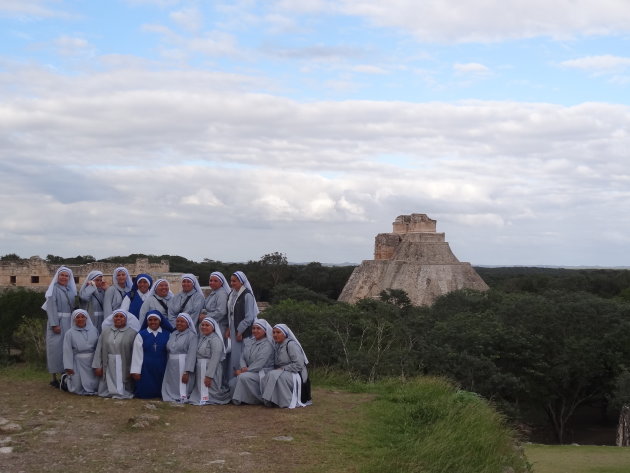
x=153, y=364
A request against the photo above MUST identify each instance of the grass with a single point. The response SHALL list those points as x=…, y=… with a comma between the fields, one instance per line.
x=578, y=459
x=426, y=425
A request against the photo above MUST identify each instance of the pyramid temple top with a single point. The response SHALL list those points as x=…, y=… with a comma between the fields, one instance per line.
x=414, y=223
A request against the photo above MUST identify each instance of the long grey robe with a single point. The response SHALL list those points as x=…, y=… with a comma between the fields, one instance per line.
x=153, y=303
x=192, y=307
x=280, y=384
x=182, y=357
x=114, y=296
x=209, y=355
x=258, y=357
x=215, y=306
x=248, y=320
x=59, y=307
x=79, y=345
x=113, y=355
x=94, y=300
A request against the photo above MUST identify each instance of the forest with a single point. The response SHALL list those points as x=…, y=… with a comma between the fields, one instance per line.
x=545, y=345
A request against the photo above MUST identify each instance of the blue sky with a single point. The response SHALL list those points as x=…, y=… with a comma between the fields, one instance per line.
x=228, y=130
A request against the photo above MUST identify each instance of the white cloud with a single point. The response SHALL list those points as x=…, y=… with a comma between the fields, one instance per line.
x=31, y=9
x=604, y=63
x=471, y=68
x=190, y=19
x=488, y=21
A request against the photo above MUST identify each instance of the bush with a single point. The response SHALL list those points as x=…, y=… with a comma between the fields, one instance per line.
x=31, y=340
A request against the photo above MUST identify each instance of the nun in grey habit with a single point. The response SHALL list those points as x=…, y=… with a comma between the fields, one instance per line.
x=256, y=360
x=59, y=304
x=179, y=378
x=242, y=310
x=282, y=386
x=115, y=294
x=189, y=301
x=112, y=358
x=209, y=371
x=92, y=297
x=79, y=345
x=158, y=299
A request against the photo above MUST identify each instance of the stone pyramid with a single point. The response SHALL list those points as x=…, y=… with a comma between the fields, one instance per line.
x=413, y=258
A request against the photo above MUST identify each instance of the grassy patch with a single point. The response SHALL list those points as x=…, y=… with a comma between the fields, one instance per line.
x=426, y=425
x=578, y=459
x=24, y=372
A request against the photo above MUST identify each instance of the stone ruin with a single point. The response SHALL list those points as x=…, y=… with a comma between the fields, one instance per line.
x=413, y=258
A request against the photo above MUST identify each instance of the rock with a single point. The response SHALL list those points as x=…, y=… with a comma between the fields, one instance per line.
x=10, y=427
x=6, y=450
x=150, y=406
x=284, y=438
x=5, y=440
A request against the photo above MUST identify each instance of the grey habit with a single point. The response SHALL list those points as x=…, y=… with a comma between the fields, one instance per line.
x=59, y=307
x=94, y=300
x=182, y=356
x=248, y=319
x=79, y=345
x=258, y=357
x=192, y=306
x=215, y=306
x=113, y=355
x=280, y=383
x=210, y=353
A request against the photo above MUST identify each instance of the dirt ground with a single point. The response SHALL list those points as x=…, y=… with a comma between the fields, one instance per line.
x=45, y=430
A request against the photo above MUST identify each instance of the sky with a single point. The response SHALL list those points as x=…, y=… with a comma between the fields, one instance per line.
x=229, y=130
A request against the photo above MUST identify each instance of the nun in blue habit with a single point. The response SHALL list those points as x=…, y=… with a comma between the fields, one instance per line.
x=148, y=360
x=139, y=293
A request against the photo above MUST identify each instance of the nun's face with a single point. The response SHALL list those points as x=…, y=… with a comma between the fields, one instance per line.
x=258, y=332
x=80, y=320
x=162, y=289
x=215, y=283
x=143, y=286
x=153, y=322
x=63, y=278
x=98, y=281
x=120, y=320
x=206, y=328
x=236, y=283
x=187, y=285
x=278, y=335
x=181, y=324
x=121, y=278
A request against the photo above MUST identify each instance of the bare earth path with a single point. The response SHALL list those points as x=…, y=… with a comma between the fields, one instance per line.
x=45, y=430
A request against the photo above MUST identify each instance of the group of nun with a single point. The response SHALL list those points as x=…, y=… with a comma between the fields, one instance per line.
x=183, y=348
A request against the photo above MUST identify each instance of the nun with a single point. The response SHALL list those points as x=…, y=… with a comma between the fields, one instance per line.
x=215, y=305
x=59, y=304
x=282, y=386
x=112, y=358
x=139, y=293
x=159, y=296
x=79, y=344
x=209, y=371
x=148, y=360
x=256, y=360
x=190, y=300
x=114, y=295
x=182, y=356
x=242, y=310
x=92, y=297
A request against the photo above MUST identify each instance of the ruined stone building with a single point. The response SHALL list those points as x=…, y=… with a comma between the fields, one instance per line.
x=413, y=258
x=35, y=273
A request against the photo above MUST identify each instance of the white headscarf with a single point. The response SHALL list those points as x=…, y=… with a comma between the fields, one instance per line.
x=72, y=286
x=128, y=282
x=225, y=284
x=245, y=282
x=217, y=332
x=132, y=321
x=291, y=336
x=155, y=285
x=266, y=326
x=188, y=319
x=91, y=277
x=88, y=322
x=194, y=280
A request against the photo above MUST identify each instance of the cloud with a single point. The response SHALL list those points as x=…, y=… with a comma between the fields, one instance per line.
x=486, y=21
x=190, y=19
x=31, y=9
x=604, y=63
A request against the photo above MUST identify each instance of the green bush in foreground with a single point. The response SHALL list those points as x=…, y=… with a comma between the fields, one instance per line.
x=427, y=425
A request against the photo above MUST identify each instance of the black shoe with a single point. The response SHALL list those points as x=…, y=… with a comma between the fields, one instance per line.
x=55, y=384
